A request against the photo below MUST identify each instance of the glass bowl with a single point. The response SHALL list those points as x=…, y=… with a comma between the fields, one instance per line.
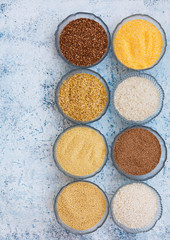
x=146, y=228
x=160, y=104
x=81, y=232
x=71, y=73
x=156, y=170
x=149, y=19
x=75, y=176
x=74, y=17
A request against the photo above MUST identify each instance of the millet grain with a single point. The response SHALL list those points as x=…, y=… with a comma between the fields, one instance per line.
x=81, y=205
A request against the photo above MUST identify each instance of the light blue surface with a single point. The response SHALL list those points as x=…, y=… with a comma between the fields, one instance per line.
x=29, y=71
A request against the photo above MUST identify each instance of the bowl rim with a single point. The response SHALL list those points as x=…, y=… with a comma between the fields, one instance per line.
x=90, y=230
x=148, y=17
x=150, y=78
x=88, y=14
x=72, y=175
x=146, y=176
x=143, y=229
x=71, y=73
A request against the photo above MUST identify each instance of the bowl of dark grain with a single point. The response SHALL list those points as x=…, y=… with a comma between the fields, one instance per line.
x=139, y=153
x=82, y=39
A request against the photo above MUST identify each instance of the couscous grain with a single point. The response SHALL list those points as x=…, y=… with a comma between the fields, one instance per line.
x=82, y=97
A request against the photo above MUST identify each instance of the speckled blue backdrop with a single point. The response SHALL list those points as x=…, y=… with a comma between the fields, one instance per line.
x=29, y=71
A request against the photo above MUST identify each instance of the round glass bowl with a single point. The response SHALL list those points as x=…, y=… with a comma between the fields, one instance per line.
x=160, y=104
x=74, y=17
x=81, y=232
x=159, y=166
x=143, y=229
x=149, y=19
x=75, y=176
x=71, y=73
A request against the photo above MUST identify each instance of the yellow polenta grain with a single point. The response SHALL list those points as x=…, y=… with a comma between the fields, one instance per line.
x=82, y=97
x=138, y=44
x=81, y=205
x=81, y=151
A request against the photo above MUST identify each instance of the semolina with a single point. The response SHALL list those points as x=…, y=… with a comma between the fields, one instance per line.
x=82, y=97
x=81, y=151
x=81, y=205
x=138, y=44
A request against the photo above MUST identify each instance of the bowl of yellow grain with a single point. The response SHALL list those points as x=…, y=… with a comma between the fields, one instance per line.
x=80, y=151
x=81, y=207
x=82, y=96
x=139, y=42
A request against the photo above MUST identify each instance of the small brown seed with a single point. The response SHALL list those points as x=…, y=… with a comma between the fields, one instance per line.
x=137, y=151
x=83, y=42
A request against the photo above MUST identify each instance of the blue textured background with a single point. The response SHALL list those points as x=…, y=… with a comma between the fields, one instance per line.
x=29, y=71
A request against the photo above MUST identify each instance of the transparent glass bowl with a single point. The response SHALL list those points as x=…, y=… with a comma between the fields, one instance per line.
x=160, y=104
x=156, y=170
x=71, y=73
x=74, y=17
x=146, y=228
x=75, y=176
x=81, y=232
x=149, y=19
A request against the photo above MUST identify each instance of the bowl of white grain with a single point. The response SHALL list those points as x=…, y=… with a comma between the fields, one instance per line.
x=138, y=98
x=136, y=207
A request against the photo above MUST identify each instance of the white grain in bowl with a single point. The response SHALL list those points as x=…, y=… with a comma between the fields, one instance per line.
x=136, y=98
x=136, y=207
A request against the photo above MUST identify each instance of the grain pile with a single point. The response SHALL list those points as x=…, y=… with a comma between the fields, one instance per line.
x=138, y=44
x=137, y=151
x=81, y=151
x=83, y=42
x=135, y=205
x=136, y=98
x=81, y=205
x=82, y=97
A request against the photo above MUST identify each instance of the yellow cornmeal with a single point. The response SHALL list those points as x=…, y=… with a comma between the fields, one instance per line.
x=81, y=151
x=82, y=97
x=138, y=44
x=81, y=205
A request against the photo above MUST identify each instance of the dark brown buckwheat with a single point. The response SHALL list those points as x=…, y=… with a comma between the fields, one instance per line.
x=83, y=42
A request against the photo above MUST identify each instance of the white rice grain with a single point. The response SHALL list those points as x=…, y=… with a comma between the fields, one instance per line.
x=136, y=98
x=135, y=205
